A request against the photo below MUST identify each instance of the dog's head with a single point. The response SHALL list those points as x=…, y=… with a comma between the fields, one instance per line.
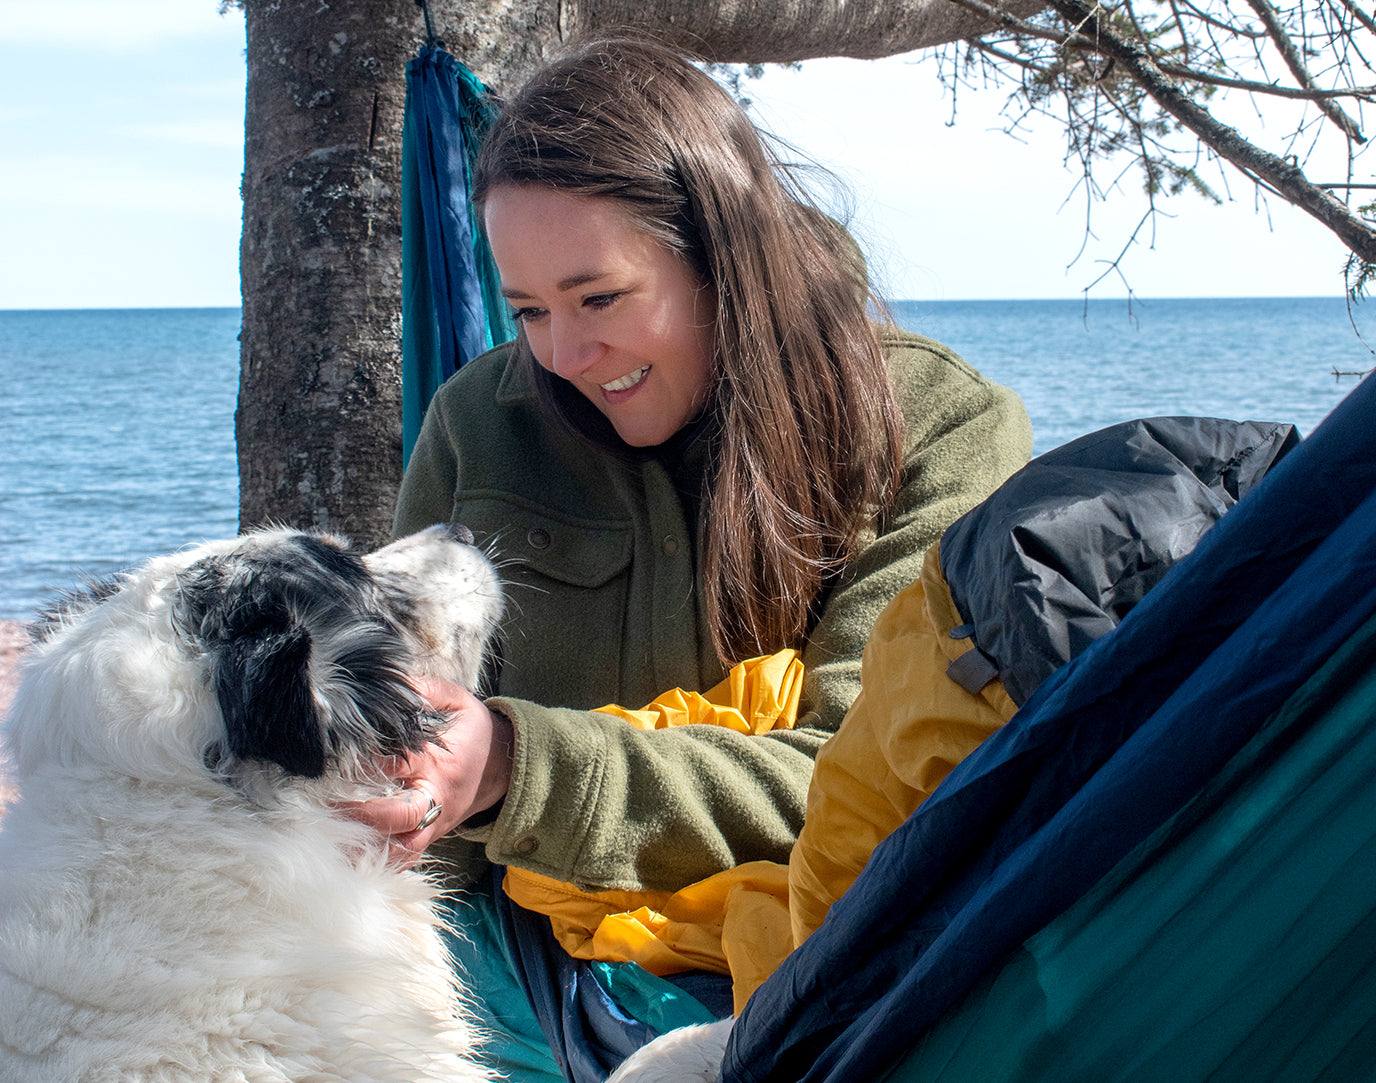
x=279, y=651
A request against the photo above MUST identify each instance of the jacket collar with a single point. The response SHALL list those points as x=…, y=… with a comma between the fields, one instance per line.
x=517, y=383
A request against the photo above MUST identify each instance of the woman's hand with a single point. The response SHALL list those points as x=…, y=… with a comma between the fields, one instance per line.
x=465, y=771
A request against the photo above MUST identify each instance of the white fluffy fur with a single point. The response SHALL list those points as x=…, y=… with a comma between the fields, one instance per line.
x=161, y=921
x=687, y=1055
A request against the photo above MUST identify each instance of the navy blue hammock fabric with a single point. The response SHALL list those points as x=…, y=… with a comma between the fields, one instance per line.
x=452, y=309
x=1107, y=768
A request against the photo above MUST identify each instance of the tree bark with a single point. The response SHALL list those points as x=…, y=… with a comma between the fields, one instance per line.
x=778, y=31
x=319, y=416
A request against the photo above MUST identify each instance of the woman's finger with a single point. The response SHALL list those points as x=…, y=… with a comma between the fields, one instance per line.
x=395, y=815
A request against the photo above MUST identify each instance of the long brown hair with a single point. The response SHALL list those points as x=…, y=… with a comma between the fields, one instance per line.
x=808, y=436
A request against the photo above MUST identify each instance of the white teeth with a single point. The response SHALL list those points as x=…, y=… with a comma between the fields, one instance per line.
x=629, y=380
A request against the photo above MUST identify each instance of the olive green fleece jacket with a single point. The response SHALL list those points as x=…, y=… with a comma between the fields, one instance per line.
x=604, y=605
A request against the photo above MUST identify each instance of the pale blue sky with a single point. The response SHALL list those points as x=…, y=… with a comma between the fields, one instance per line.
x=122, y=126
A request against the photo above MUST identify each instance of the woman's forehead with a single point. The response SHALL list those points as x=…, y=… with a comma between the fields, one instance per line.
x=561, y=240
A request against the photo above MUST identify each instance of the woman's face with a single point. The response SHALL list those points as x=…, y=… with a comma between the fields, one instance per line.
x=605, y=306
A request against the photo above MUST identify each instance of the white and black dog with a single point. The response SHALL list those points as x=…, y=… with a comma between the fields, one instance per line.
x=179, y=900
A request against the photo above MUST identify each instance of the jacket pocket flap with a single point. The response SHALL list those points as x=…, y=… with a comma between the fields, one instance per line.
x=580, y=552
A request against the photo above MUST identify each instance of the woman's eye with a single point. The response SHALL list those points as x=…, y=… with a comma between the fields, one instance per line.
x=526, y=315
x=602, y=300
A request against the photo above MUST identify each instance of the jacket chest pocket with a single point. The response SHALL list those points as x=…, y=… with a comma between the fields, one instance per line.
x=567, y=584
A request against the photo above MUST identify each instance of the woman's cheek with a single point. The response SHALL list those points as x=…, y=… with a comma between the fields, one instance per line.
x=539, y=349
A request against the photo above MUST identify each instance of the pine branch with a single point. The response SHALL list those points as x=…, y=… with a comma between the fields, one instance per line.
x=1180, y=71
x=1009, y=21
x=1285, y=177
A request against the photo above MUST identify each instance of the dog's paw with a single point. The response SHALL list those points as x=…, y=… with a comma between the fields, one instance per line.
x=686, y=1055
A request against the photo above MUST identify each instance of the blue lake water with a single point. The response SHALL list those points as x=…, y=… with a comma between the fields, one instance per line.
x=117, y=426
x=1078, y=369
x=117, y=442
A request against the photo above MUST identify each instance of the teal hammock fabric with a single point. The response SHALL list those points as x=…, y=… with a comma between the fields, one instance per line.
x=1235, y=944
x=1108, y=753
x=452, y=308
x=583, y=1018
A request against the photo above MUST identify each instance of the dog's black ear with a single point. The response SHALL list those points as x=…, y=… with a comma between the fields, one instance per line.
x=263, y=683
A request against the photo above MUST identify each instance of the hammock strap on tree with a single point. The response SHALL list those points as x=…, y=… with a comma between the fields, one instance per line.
x=452, y=308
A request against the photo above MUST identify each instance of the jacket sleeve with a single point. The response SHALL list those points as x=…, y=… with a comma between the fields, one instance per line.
x=966, y=435
x=602, y=805
x=598, y=803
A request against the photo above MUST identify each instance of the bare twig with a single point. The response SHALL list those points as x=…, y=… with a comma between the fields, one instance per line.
x=1126, y=80
x=1313, y=94
x=1286, y=177
x=1291, y=55
x=1076, y=39
x=1005, y=57
x=1227, y=28
x=1360, y=15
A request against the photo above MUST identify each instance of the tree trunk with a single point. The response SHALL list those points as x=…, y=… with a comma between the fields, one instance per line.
x=319, y=416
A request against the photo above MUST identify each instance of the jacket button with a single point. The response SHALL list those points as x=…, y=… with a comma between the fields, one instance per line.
x=527, y=846
x=671, y=545
x=538, y=538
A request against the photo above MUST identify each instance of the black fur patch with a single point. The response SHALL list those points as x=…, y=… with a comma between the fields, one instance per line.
x=260, y=614
x=262, y=680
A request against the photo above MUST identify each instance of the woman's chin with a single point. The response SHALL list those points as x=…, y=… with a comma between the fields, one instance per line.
x=641, y=432
x=638, y=439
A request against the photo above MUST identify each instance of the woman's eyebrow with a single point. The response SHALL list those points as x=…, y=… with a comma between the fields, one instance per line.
x=563, y=285
x=574, y=281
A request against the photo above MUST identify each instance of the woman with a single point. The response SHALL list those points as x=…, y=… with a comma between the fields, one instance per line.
x=699, y=449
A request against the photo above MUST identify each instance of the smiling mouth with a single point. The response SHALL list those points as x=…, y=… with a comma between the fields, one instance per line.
x=627, y=381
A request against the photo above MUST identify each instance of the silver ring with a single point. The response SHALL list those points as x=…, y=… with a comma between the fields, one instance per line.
x=432, y=813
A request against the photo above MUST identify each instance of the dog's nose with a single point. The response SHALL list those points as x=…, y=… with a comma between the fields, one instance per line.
x=460, y=533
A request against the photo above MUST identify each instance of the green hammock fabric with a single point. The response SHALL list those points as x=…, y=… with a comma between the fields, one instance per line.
x=1236, y=944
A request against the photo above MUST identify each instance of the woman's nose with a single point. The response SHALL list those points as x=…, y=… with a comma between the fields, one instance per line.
x=573, y=350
